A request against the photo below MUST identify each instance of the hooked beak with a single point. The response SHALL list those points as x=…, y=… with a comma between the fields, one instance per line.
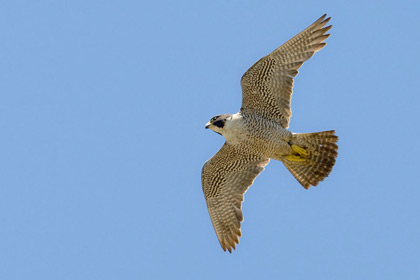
x=207, y=125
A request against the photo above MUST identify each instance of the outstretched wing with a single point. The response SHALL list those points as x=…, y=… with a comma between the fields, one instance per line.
x=267, y=85
x=225, y=178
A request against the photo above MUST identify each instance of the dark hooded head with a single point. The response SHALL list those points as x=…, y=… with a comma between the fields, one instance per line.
x=217, y=123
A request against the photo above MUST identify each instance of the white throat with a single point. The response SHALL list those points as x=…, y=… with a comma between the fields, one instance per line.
x=234, y=129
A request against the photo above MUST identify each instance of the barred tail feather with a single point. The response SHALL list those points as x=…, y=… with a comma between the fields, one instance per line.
x=321, y=150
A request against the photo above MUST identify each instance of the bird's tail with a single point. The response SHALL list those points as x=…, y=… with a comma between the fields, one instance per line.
x=313, y=158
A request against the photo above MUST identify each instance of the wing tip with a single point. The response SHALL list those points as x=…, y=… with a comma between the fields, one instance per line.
x=322, y=20
x=229, y=247
x=228, y=242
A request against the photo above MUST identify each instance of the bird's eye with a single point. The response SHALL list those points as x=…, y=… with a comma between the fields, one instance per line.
x=220, y=124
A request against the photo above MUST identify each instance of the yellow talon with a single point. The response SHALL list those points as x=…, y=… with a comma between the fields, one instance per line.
x=295, y=158
x=297, y=149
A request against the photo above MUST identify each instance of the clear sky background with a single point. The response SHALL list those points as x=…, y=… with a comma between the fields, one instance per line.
x=102, y=140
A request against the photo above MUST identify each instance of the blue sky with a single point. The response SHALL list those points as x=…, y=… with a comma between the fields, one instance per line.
x=102, y=113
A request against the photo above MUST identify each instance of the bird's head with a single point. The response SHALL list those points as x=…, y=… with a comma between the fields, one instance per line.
x=217, y=123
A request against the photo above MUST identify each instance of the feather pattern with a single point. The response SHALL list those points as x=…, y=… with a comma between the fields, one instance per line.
x=225, y=179
x=267, y=85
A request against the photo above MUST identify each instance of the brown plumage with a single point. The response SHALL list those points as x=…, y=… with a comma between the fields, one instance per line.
x=258, y=133
x=319, y=162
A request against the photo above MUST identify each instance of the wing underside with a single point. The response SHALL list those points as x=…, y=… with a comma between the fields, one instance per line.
x=267, y=85
x=225, y=179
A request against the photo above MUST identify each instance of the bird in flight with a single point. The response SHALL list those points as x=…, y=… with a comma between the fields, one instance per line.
x=258, y=133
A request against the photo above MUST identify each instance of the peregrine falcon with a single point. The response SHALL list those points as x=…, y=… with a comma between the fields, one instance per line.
x=258, y=133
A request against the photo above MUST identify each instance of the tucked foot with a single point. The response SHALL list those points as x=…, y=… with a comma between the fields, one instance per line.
x=299, y=150
x=295, y=158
